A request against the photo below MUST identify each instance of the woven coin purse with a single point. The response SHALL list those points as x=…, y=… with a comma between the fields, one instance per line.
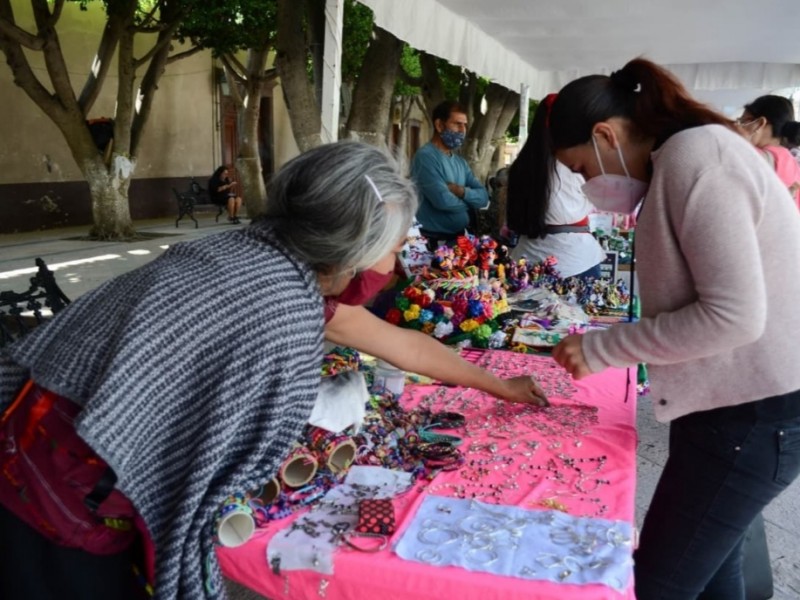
x=376, y=517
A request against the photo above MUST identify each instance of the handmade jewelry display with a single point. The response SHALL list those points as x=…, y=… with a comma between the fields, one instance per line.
x=521, y=454
x=321, y=457
x=531, y=544
x=569, y=460
x=412, y=440
x=310, y=541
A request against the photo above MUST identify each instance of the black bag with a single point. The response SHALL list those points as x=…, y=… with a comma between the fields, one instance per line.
x=756, y=565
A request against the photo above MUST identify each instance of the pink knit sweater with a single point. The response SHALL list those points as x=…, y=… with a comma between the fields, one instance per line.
x=718, y=262
x=787, y=169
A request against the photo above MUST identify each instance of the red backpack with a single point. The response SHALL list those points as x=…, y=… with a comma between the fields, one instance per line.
x=53, y=481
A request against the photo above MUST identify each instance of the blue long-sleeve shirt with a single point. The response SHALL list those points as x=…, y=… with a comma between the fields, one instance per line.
x=440, y=210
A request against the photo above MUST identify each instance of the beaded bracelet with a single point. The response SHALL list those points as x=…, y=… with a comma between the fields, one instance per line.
x=448, y=420
x=442, y=438
x=436, y=449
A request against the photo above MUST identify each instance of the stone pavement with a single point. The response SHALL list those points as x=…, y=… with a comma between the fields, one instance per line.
x=81, y=265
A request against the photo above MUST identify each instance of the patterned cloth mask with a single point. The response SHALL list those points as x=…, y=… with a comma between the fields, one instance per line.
x=452, y=139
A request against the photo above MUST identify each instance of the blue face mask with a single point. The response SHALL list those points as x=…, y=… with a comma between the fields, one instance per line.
x=452, y=139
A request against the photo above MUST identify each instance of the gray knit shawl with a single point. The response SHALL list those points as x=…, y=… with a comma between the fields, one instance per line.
x=195, y=373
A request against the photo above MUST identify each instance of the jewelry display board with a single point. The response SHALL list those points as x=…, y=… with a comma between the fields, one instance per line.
x=576, y=458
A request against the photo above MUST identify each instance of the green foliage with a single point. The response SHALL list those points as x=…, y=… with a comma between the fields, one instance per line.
x=452, y=76
x=409, y=62
x=231, y=25
x=356, y=35
x=145, y=7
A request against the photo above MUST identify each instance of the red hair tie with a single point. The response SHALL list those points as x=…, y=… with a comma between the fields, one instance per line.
x=548, y=105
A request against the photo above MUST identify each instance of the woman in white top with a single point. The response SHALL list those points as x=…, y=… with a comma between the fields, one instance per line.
x=554, y=221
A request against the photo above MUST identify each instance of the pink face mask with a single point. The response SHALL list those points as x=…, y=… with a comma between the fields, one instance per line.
x=363, y=287
x=614, y=193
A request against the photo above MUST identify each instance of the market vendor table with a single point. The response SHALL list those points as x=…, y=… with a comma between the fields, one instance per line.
x=579, y=456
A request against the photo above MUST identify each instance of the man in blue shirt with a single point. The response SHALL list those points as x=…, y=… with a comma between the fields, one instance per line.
x=447, y=187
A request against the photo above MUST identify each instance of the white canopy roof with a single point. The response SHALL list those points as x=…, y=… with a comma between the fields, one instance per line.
x=726, y=52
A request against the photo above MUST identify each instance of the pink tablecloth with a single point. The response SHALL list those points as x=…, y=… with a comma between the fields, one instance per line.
x=572, y=457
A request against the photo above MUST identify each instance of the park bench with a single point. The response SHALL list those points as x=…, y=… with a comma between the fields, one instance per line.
x=22, y=311
x=189, y=201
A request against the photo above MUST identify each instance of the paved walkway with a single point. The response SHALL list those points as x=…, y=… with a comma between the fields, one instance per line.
x=82, y=265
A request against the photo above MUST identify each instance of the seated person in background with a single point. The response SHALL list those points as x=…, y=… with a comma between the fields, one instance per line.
x=220, y=189
x=551, y=219
x=447, y=187
x=767, y=122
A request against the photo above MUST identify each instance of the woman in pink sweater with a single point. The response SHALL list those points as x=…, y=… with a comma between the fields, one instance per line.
x=768, y=122
x=718, y=260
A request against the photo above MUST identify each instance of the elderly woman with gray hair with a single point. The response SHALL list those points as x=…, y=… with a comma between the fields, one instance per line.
x=132, y=415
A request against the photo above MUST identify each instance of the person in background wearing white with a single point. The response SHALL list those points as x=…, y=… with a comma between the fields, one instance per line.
x=551, y=219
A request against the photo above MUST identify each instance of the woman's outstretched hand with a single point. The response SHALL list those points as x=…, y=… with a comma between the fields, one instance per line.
x=525, y=390
x=569, y=354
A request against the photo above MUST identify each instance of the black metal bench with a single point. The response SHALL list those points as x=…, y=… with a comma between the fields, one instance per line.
x=22, y=311
x=189, y=201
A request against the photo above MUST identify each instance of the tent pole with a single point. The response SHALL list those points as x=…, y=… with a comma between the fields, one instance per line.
x=524, y=102
x=332, y=70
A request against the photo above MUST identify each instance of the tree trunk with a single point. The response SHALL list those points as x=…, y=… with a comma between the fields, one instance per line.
x=466, y=96
x=372, y=98
x=291, y=60
x=488, y=128
x=254, y=191
x=316, y=42
x=406, y=103
x=109, y=191
x=432, y=88
x=248, y=164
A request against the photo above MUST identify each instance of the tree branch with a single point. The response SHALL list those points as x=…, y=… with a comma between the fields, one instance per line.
x=184, y=54
x=233, y=84
x=56, y=14
x=24, y=76
x=53, y=56
x=235, y=65
x=143, y=27
x=158, y=64
x=102, y=63
x=18, y=35
x=150, y=29
x=165, y=37
x=126, y=76
x=257, y=62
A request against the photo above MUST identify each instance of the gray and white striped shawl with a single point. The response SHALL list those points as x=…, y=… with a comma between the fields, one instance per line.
x=195, y=373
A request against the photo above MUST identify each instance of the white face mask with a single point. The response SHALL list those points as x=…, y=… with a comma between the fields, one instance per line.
x=614, y=193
